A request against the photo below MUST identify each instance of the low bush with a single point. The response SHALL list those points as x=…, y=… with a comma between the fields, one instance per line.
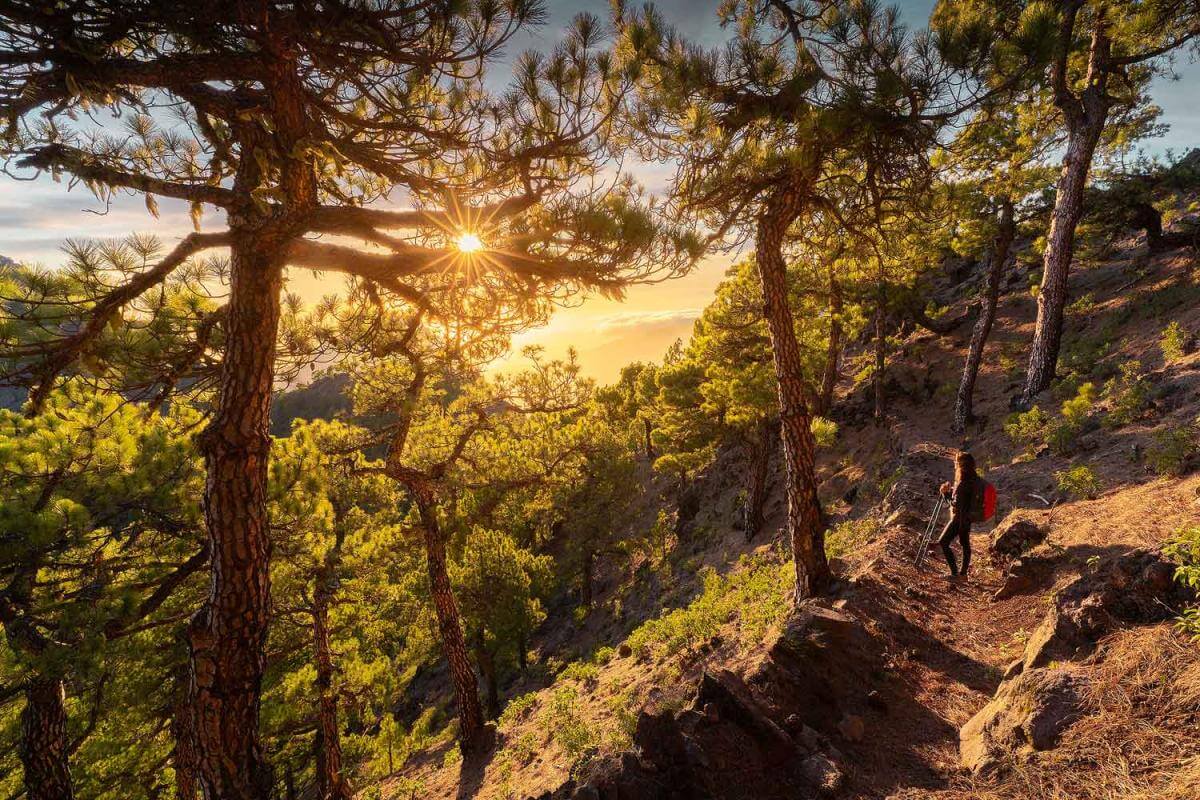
x=824, y=431
x=1027, y=428
x=576, y=737
x=1076, y=412
x=1127, y=395
x=756, y=594
x=1184, y=550
x=1174, y=342
x=846, y=537
x=1173, y=449
x=1079, y=482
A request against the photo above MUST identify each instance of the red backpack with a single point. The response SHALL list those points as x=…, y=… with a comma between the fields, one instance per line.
x=983, y=504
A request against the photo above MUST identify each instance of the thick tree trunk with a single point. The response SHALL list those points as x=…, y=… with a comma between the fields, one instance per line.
x=184, y=758
x=806, y=520
x=454, y=646
x=1060, y=248
x=227, y=638
x=487, y=668
x=983, y=326
x=522, y=652
x=44, y=750
x=758, y=462
x=1085, y=116
x=649, y=443
x=331, y=783
x=833, y=352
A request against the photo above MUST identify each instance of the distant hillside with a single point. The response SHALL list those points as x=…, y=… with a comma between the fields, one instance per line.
x=324, y=398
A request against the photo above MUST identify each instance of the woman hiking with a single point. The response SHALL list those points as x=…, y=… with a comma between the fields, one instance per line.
x=962, y=496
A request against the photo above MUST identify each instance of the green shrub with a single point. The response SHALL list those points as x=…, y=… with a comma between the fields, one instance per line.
x=850, y=535
x=1172, y=450
x=1184, y=550
x=1128, y=395
x=603, y=655
x=1075, y=414
x=577, y=738
x=582, y=671
x=1079, y=481
x=1173, y=342
x=757, y=593
x=824, y=431
x=1027, y=428
x=516, y=708
x=1082, y=306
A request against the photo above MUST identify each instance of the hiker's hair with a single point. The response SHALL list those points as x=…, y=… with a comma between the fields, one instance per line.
x=964, y=466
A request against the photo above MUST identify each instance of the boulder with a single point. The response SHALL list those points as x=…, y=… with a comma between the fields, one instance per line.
x=1029, y=712
x=819, y=772
x=1020, y=531
x=1024, y=575
x=732, y=700
x=1131, y=589
x=852, y=728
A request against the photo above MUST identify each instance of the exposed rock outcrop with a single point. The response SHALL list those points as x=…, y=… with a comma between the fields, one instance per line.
x=1040, y=695
x=767, y=736
x=1029, y=712
x=1019, y=532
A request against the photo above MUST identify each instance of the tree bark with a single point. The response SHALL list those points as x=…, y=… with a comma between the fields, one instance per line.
x=184, y=758
x=1001, y=244
x=806, y=520
x=44, y=748
x=833, y=352
x=331, y=783
x=522, y=652
x=227, y=638
x=758, y=462
x=1085, y=118
x=487, y=668
x=454, y=646
x=649, y=444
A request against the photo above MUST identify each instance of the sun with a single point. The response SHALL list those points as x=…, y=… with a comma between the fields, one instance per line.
x=469, y=243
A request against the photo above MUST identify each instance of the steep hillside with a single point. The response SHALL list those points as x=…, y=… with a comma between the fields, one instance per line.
x=689, y=688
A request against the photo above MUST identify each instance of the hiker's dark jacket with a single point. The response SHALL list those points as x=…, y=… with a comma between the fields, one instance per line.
x=961, y=499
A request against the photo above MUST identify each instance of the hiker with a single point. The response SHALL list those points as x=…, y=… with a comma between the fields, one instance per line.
x=962, y=496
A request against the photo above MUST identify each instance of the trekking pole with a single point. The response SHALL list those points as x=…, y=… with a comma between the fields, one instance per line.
x=927, y=537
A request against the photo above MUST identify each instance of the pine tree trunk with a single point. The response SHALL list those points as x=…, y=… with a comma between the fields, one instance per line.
x=184, y=758
x=806, y=520
x=331, y=783
x=833, y=352
x=1085, y=117
x=43, y=748
x=454, y=646
x=987, y=315
x=487, y=668
x=758, y=458
x=227, y=638
x=649, y=444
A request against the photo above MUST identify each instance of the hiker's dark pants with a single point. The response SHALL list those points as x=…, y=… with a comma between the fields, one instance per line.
x=959, y=527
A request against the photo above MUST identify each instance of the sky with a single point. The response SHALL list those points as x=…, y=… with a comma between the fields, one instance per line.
x=37, y=216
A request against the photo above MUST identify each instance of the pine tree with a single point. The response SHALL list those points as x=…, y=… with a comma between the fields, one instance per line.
x=767, y=132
